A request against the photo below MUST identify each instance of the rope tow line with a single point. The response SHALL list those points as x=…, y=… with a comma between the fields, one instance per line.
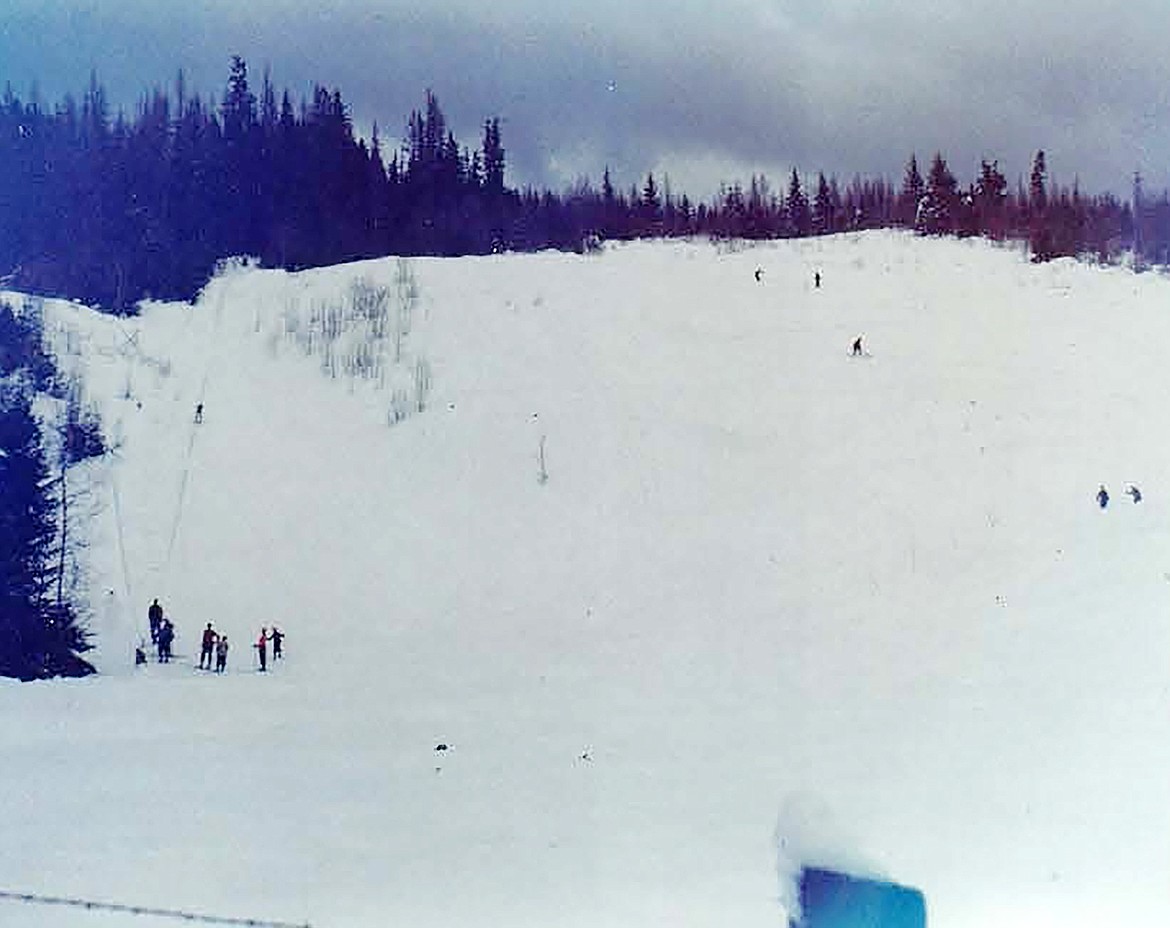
x=35, y=899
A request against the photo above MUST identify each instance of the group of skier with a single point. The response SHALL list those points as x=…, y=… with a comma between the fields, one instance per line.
x=857, y=348
x=213, y=645
x=1131, y=491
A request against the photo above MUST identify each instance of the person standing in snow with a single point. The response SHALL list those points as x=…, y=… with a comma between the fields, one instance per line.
x=198, y=413
x=207, y=648
x=1102, y=497
x=817, y=280
x=262, y=648
x=166, y=639
x=155, y=616
x=221, y=653
x=759, y=274
x=277, y=638
x=1134, y=492
x=857, y=349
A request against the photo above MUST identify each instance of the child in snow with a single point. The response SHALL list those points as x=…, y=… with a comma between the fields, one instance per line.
x=166, y=639
x=1102, y=497
x=277, y=638
x=221, y=652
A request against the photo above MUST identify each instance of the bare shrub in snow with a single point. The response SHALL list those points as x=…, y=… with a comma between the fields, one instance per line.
x=422, y=383
x=399, y=407
x=406, y=291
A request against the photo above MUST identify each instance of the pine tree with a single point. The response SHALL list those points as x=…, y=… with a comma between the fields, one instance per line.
x=824, y=219
x=1038, y=192
x=910, y=198
x=40, y=635
x=938, y=213
x=650, y=208
x=1040, y=234
x=799, y=215
x=990, y=200
x=493, y=158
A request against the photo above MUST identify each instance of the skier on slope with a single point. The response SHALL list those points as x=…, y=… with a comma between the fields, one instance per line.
x=261, y=647
x=276, y=636
x=166, y=639
x=198, y=413
x=857, y=350
x=1102, y=497
x=207, y=648
x=155, y=616
x=221, y=653
x=1134, y=492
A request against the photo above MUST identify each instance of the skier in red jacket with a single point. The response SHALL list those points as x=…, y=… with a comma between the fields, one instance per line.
x=262, y=648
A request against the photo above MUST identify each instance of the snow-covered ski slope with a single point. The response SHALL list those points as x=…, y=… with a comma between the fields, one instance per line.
x=772, y=605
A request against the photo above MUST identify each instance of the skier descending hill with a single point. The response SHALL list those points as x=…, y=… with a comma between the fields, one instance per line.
x=1102, y=497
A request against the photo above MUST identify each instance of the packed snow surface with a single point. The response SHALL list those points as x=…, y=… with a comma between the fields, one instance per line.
x=759, y=604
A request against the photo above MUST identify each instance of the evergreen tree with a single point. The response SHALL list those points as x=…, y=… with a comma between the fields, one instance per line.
x=1038, y=192
x=1040, y=237
x=799, y=214
x=493, y=158
x=650, y=208
x=910, y=199
x=824, y=215
x=990, y=200
x=40, y=634
x=938, y=212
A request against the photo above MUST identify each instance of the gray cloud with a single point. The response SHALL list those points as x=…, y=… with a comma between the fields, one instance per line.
x=706, y=91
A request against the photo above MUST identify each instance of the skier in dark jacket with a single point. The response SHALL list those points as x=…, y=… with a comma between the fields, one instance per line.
x=1102, y=497
x=1134, y=492
x=221, y=653
x=208, y=647
x=857, y=349
x=276, y=636
x=166, y=639
x=155, y=616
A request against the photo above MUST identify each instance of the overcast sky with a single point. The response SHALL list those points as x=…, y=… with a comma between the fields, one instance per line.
x=700, y=90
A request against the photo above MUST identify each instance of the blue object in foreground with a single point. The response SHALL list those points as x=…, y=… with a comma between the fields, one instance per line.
x=829, y=899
